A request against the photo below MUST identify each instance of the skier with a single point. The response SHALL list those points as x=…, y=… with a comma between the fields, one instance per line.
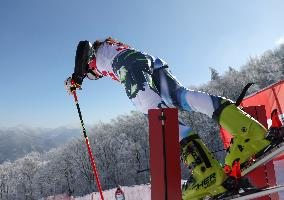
x=149, y=84
x=119, y=194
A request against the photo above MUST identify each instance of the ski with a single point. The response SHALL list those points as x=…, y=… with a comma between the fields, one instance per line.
x=250, y=195
x=269, y=155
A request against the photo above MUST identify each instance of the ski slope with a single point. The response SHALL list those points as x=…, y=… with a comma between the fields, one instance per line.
x=143, y=192
x=137, y=192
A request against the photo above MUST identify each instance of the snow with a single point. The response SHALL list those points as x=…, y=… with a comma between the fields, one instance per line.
x=136, y=192
x=58, y=197
x=143, y=192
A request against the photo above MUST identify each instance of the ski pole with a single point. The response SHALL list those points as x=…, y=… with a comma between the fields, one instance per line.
x=88, y=144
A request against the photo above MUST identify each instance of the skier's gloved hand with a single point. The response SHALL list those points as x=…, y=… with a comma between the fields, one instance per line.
x=71, y=85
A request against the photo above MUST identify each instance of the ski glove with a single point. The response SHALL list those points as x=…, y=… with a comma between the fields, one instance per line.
x=71, y=85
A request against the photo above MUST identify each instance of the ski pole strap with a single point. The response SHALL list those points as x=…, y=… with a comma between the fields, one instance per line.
x=243, y=93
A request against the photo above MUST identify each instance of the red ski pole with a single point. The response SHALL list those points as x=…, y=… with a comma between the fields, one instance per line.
x=88, y=144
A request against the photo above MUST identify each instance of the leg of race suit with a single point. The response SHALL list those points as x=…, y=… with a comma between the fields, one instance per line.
x=172, y=92
x=148, y=99
x=134, y=69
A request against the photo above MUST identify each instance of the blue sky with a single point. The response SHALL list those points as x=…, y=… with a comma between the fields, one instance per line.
x=38, y=41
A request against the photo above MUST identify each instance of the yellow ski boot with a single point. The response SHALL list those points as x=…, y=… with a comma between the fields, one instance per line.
x=207, y=175
x=249, y=135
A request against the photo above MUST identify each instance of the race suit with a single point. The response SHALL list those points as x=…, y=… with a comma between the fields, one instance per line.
x=149, y=83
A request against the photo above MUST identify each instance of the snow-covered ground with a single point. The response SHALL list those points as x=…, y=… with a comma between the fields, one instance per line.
x=143, y=192
x=137, y=192
x=59, y=197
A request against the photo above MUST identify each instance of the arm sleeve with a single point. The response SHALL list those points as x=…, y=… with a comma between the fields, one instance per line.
x=81, y=61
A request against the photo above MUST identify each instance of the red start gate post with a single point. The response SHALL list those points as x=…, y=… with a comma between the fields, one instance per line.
x=164, y=154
